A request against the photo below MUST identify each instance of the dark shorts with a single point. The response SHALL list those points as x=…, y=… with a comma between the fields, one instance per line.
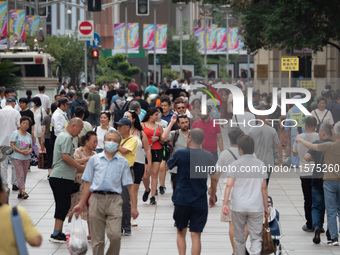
x=62, y=191
x=157, y=156
x=197, y=216
x=138, y=170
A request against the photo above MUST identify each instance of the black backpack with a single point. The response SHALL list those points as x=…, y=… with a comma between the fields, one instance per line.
x=119, y=112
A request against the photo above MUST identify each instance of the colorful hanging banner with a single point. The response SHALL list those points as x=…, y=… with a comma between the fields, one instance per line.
x=221, y=40
x=217, y=40
x=149, y=40
x=132, y=35
x=3, y=23
x=32, y=25
x=211, y=40
x=17, y=25
x=235, y=42
x=162, y=39
x=199, y=33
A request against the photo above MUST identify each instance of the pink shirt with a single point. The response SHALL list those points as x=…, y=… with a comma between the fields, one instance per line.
x=210, y=132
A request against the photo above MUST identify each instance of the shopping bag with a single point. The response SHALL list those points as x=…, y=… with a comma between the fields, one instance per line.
x=78, y=237
x=268, y=246
x=35, y=148
x=34, y=159
x=42, y=159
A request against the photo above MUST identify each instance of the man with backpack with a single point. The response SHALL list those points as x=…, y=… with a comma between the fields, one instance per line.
x=119, y=107
x=93, y=102
x=178, y=139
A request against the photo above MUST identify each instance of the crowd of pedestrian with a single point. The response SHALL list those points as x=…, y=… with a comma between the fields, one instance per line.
x=104, y=140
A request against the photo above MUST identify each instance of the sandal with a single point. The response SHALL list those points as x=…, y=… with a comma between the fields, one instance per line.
x=20, y=195
x=25, y=195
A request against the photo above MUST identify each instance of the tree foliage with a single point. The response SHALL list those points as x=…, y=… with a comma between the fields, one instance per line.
x=191, y=55
x=68, y=52
x=7, y=74
x=290, y=24
x=116, y=66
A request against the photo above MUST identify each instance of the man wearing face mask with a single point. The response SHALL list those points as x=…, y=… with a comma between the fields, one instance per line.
x=105, y=174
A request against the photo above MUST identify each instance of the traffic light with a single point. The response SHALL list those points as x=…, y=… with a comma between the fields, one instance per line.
x=142, y=7
x=95, y=56
x=94, y=5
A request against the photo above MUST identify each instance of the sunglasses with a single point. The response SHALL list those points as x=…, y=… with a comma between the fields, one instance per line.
x=182, y=107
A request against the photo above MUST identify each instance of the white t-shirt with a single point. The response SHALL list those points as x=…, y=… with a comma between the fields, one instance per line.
x=302, y=150
x=45, y=101
x=186, y=87
x=325, y=116
x=174, y=84
x=39, y=114
x=247, y=189
x=100, y=136
x=241, y=121
x=140, y=157
x=16, y=107
x=10, y=121
x=224, y=160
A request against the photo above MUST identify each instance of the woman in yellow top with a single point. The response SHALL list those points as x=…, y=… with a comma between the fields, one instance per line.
x=8, y=243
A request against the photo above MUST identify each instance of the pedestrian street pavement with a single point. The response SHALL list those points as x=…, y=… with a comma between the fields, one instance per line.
x=156, y=234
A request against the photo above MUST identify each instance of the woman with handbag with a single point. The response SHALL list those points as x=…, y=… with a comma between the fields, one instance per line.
x=82, y=156
x=11, y=222
x=154, y=133
x=21, y=142
x=39, y=115
x=46, y=134
x=142, y=144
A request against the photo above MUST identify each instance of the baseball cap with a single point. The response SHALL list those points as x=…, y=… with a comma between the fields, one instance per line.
x=92, y=86
x=124, y=122
x=11, y=100
x=64, y=100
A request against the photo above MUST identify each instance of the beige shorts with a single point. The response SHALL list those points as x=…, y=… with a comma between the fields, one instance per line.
x=226, y=218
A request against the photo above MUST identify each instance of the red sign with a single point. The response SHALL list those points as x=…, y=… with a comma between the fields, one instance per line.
x=85, y=28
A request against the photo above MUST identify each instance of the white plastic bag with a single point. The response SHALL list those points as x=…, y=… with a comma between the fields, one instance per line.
x=78, y=238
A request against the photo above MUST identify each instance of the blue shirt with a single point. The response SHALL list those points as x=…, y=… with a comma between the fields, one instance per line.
x=167, y=118
x=295, y=114
x=140, y=116
x=22, y=143
x=334, y=108
x=191, y=186
x=114, y=98
x=107, y=175
x=151, y=89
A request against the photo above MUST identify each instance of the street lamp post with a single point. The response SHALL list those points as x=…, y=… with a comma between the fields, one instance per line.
x=181, y=6
x=155, y=4
x=125, y=4
x=226, y=9
x=205, y=8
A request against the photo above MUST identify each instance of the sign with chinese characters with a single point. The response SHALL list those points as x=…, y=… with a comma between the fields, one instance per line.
x=307, y=84
x=290, y=64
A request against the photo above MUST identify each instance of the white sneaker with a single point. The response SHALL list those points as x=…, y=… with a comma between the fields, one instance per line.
x=134, y=223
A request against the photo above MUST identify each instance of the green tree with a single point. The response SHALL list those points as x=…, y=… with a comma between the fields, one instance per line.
x=116, y=66
x=7, y=74
x=68, y=53
x=191, y=55
x=290, y=24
